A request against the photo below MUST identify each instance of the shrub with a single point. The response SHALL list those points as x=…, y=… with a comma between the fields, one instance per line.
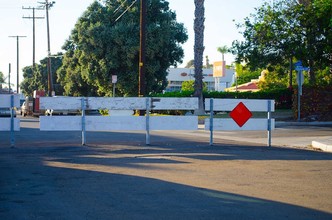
x=316, y=103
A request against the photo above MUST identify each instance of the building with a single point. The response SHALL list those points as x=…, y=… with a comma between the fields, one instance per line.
x=176, y=76
x=251, y=86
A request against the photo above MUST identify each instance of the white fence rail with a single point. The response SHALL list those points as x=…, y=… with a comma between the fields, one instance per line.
x=108, y=123
x=7, y=103
x=250, y=105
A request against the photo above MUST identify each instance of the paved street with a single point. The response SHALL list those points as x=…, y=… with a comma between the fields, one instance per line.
x=48, y=175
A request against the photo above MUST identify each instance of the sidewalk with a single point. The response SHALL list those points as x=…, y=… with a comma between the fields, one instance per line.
x=322, y=143
x=305, y=135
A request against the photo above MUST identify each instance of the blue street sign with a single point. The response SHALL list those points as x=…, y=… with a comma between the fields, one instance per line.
x=301, y=68
x=298, y=63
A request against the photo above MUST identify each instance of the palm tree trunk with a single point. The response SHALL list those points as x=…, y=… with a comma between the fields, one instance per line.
x=198, y=53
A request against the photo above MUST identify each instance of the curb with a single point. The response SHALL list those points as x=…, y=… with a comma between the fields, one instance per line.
x=322, y=146
x=295, y=123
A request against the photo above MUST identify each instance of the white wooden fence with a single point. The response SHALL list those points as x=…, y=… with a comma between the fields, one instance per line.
x=108, y=123
x=9, y=102
x=251, y=105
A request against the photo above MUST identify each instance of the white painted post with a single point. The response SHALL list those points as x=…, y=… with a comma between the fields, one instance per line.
x=269, y=138
x=12, y=137
x=211, y=121
x=147, y=122
x=83, y=121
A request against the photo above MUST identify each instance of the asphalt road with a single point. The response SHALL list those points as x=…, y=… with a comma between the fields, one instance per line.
x=48, y=175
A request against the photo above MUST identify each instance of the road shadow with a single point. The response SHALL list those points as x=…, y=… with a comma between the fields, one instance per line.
x=55, y=183
x=162, y=146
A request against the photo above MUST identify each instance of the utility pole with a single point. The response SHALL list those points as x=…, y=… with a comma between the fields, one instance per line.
x=9, y=70
x=34, y=31
x=142, y=53
x=18, y=61
x=47, y=6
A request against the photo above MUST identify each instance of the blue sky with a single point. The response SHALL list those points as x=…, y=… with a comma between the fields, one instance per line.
x=220, y=28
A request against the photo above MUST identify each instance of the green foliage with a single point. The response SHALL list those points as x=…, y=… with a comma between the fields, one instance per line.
x=189, y=86
x=2, y=78
x=324, y=76
x=245, y=75
x=282, y=97
x=38, y=79
x=223, y=50
x=190, y=64
x=282, y=30
x=100, y=47
x=173, y=94
x=316, y=103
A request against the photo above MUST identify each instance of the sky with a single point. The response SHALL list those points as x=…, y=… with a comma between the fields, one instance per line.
x=221, y=17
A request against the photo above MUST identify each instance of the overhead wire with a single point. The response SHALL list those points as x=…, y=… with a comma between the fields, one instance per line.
x=131, y=5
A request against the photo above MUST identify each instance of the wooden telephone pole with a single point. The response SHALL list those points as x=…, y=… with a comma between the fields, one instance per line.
x=142, y=53
x=33, y=30
x=18, y=62
x=47, y=5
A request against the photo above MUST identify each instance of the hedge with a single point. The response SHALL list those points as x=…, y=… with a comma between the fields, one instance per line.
x=316, y=103
x=283, y=97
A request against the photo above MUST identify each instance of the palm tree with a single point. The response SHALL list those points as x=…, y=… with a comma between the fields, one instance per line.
x=198, y=53
x=223, y=50
x=190, y=64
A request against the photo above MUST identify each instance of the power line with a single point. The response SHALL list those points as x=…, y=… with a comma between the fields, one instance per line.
x=125, y=10
x=33, y=30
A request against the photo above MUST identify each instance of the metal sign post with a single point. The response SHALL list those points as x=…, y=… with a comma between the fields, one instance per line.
x=114, y=81
x=12, y=136
x=83, y=121
x=211, y=122
x=300, y=79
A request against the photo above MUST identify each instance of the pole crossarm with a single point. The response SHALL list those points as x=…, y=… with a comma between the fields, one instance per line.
x=33, y=30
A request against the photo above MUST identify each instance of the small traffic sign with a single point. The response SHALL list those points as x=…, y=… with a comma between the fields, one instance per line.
x=114, y=78
x=240, y=114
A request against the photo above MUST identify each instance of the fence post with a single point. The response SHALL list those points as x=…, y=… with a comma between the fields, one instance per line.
x=83, y=121
x=12, y=137
x=211, y=121
x=269, y=123
x=147, y=121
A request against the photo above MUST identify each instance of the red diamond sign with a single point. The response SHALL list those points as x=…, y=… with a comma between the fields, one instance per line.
x=241, y=114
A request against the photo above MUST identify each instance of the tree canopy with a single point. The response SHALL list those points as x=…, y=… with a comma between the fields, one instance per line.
x=285, y=30
x=37, y=79
x=2, y=78
x=103, y=44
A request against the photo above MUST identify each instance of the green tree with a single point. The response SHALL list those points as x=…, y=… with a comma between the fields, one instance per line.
x=279, y=32
x=245, y=75
x=189, y=86
x=198, y=53
x=190, y=64
x=38, y=79
x=223, y=50
x=2, y=78
x=101, y=45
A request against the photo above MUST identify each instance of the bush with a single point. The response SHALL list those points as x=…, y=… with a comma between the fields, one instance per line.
x=316, y=103
x=283, y=97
